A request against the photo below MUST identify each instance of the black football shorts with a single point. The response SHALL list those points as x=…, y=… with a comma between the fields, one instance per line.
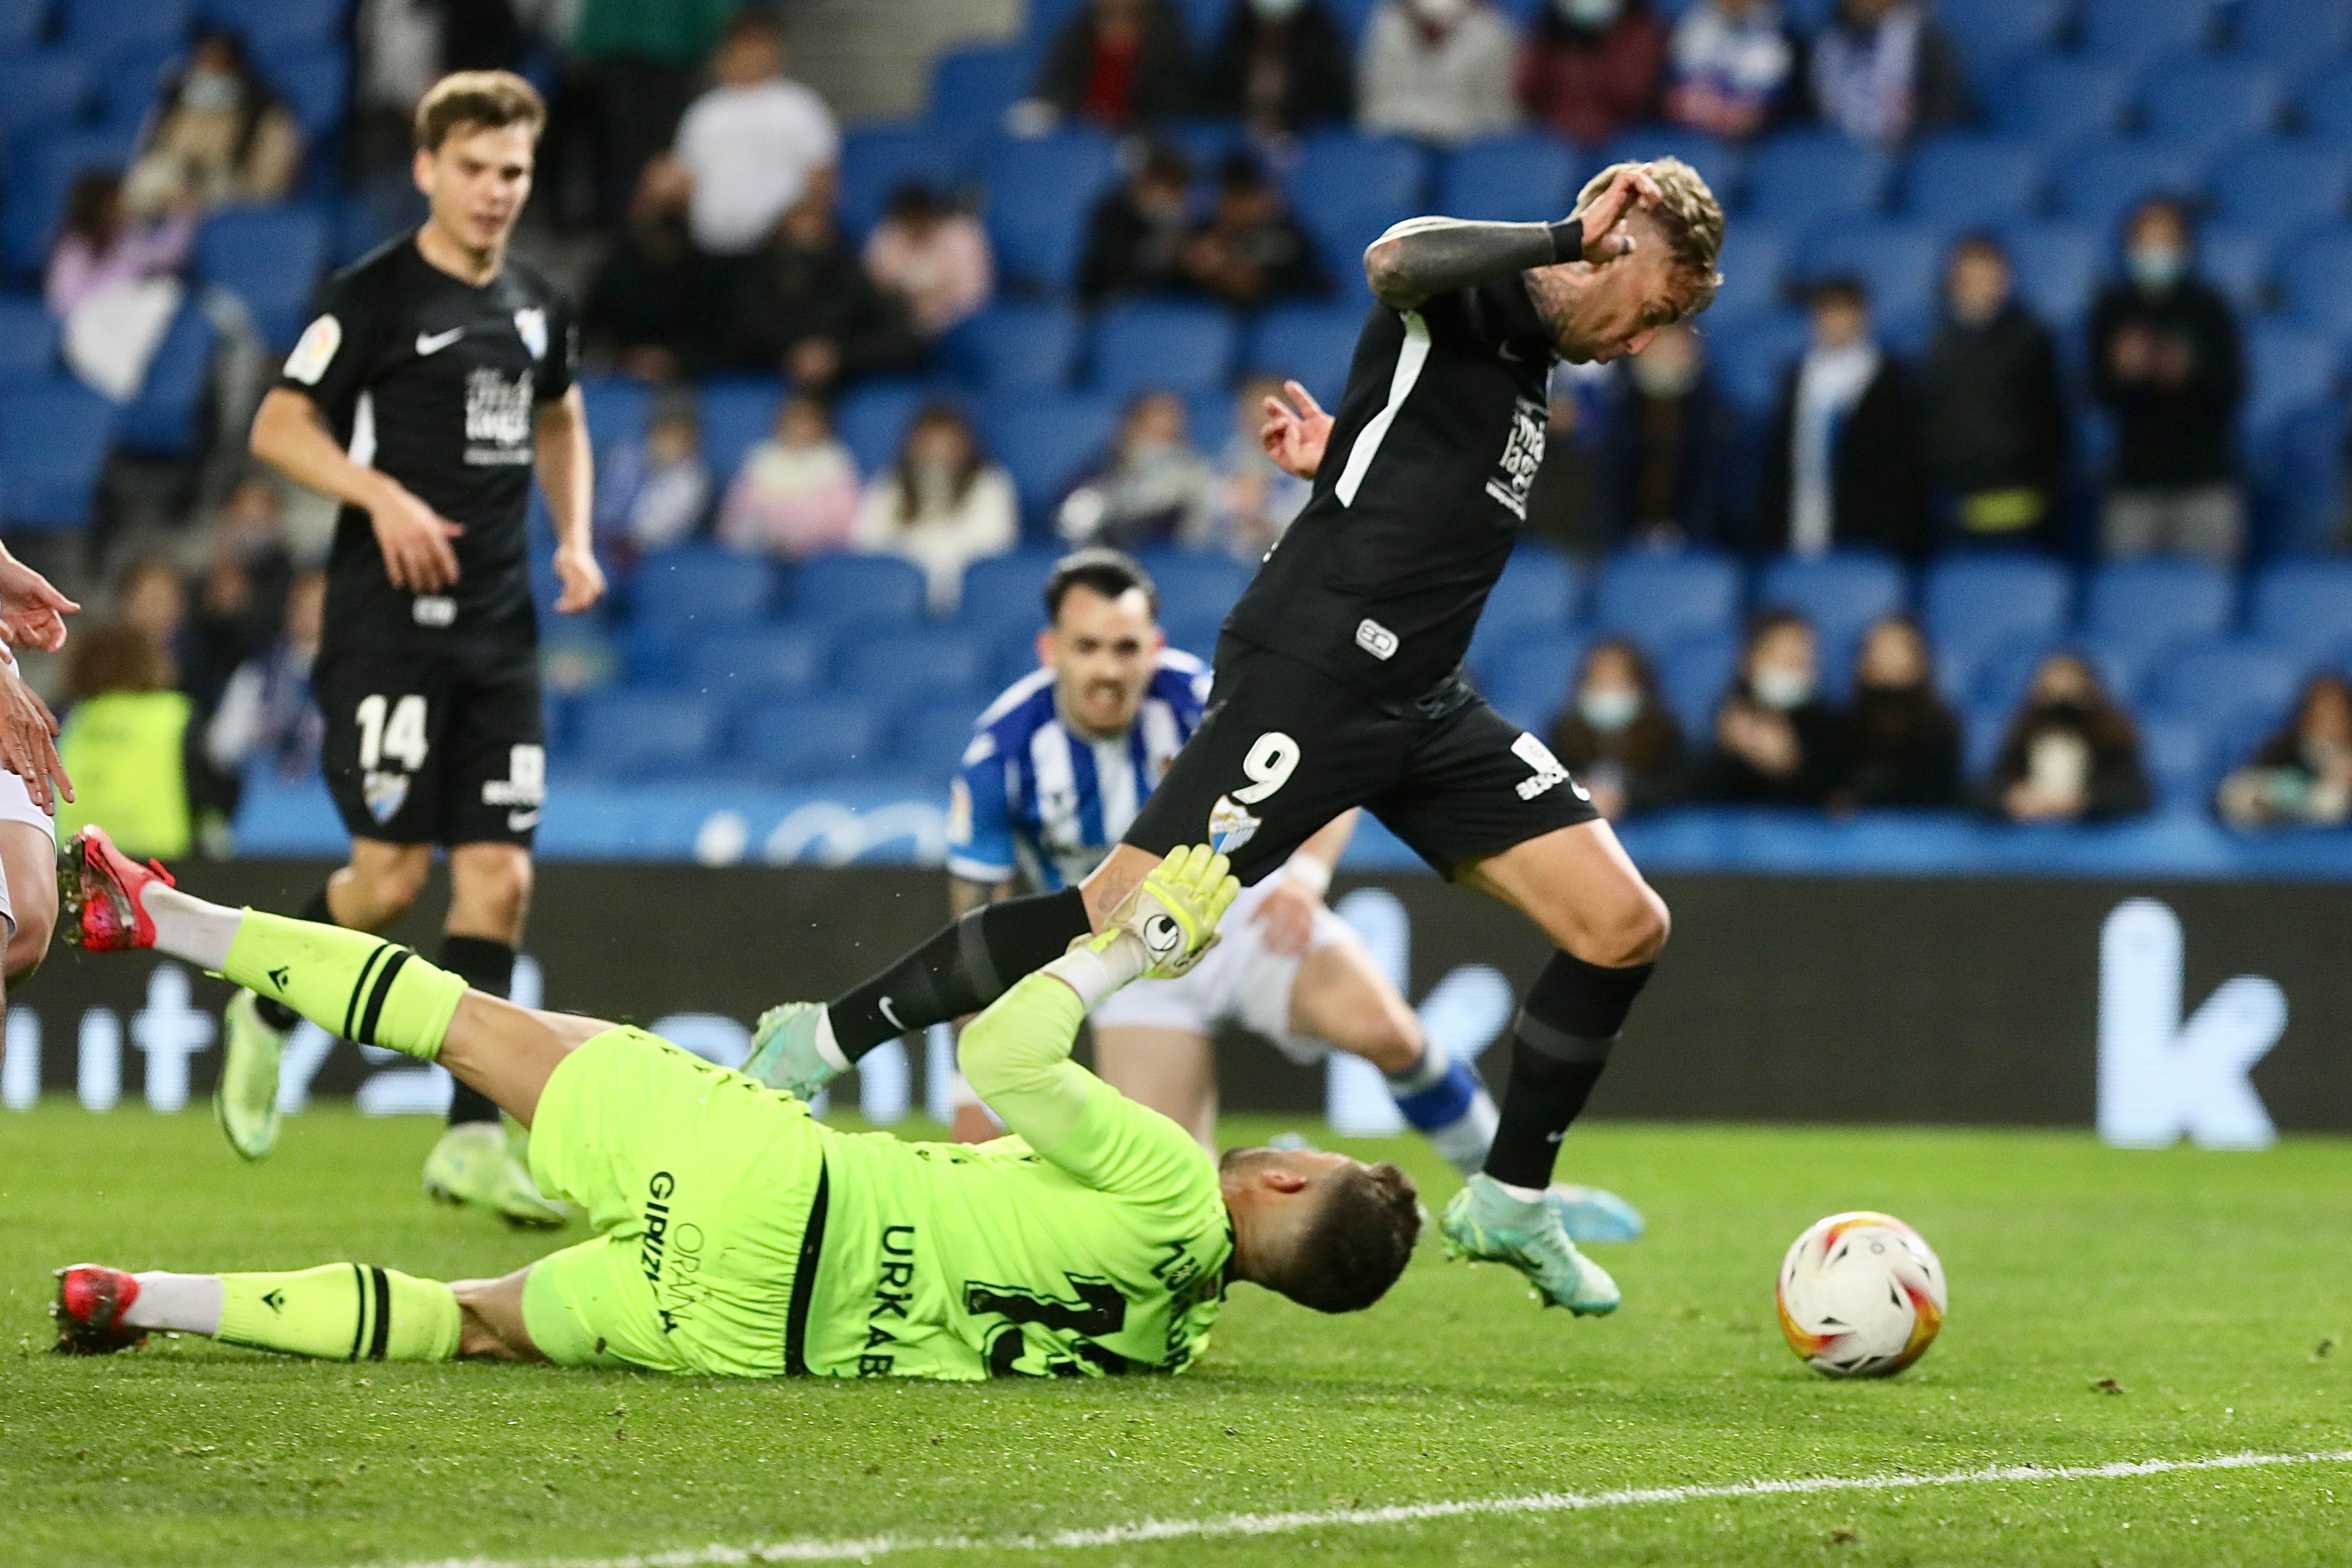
x=434, y=748
x=1283, y=749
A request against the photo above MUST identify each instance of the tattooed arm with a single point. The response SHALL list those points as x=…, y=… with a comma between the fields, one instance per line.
x=1428, y=256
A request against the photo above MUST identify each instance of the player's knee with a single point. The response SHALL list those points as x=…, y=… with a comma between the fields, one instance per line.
x=385, y=886
x=1629, y=930
x=36, y=922
x=1387, y=1035
x=493, y=883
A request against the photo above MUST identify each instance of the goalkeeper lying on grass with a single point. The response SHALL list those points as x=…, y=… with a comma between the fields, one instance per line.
x=736, y=1236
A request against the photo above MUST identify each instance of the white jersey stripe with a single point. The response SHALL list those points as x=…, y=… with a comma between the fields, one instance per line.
x=1054, y=774
x=1410, y=359
x=1115, y=779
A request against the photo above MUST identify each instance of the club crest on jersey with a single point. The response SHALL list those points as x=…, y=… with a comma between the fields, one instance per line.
x=532, y=327
x=1231, y=825
x=386, y=793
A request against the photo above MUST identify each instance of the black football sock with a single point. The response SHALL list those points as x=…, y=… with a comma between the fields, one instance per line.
x=1560, y=1044
x=488, y=967
x=276, y=1014
x=962, y=967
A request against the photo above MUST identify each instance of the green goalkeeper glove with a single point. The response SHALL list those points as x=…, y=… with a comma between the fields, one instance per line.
x=1174, y=910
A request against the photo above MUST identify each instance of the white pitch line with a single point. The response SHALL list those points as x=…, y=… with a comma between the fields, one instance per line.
x=806, y=1551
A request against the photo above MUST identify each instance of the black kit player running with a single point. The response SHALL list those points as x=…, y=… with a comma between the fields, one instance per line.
x=1339, y=685
x=433, y=383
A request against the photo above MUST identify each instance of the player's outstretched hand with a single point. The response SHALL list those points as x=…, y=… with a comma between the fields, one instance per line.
x=28, y=742
x=1606, y=237
x=1295, y=438
x=583, y=578
x=32, y=612
x=417, y=555
x=1174, y=910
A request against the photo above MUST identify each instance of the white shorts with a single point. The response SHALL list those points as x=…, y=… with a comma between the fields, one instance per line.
x=1241, y=981
x=17, y=806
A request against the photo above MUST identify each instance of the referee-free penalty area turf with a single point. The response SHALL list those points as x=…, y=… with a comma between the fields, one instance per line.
x=2118, y=1319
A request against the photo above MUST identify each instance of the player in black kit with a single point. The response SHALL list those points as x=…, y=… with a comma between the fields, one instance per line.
x=1339, y=683
x=434, y=378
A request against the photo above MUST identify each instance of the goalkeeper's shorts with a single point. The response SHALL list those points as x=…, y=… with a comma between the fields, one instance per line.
x=699, y=1183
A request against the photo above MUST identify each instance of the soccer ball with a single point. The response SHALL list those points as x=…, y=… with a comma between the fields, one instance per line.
x=1860, y=1295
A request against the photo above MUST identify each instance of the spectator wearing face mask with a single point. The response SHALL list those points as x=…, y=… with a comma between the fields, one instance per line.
x=796, y=495
x=1992, y=416
x=221, y=135
x=2071, y=755
x=1776, y=743
x=1843, y=463
x=1135, y=238
x=2301, y=776
x=1591, y=69
x=933, y=259
x=1281, y=67
x=2165, y=360
x=1902, y=742
x=1250, y=250
x=1121, y=64
x=1732, y=68
x=1150, y=488
x=1885, y=71
x=942, y=505
x=1618, y=737
x=1437, y=71
x=1671, y=434
x=653, y=492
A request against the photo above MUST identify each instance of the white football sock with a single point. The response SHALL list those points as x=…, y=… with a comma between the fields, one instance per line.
x=182, y=1303
x=1465, y=1139
x=1525, y=1194
x=828, y=1049
x=188, y=927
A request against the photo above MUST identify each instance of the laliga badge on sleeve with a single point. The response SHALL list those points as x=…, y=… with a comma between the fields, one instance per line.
x=1231, y=825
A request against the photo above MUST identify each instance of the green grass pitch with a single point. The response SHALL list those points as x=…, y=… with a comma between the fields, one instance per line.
x=2215, y=1291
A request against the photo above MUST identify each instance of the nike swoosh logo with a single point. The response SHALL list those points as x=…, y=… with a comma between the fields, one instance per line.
x=888, y=1013
x=519, y=820
x=433, y=343
x=1510, y=355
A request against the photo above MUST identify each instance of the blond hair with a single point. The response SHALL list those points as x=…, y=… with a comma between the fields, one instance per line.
x=487, y=100
x=1688, y=212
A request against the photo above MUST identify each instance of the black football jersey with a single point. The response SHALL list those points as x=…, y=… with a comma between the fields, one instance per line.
x=1420, y=498
x=438, y=383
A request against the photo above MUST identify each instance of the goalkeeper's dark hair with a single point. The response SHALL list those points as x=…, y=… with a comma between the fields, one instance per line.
x=1109, y=572
x=1357, y=1242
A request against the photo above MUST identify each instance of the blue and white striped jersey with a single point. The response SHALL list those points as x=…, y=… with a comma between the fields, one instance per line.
x=1033, y=796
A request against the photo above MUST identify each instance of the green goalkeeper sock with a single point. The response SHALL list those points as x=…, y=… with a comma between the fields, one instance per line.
x=341, y=1312
x=359, y=987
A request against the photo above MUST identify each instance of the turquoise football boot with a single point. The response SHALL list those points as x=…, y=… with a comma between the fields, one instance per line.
x=783, y=1050
x=1593, y=1214
x=1487, y=1225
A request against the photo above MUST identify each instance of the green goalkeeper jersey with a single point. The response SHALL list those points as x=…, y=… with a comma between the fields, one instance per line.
x=1092, y=1240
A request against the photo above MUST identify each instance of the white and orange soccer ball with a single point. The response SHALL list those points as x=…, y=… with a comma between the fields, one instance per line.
x=1860, y=1295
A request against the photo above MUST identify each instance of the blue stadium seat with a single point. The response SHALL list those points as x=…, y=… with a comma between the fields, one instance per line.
x=1046, y=441
x=1752, y=355
x=890, y=672
x=2303, y=606
x=53, y=442
x=1003, y=593
x=1040, y=191
x=1532, y=678
x=1974, y=181
x=1163, y=345
x=38, y=180
x=314, y=79
x=1755, y=262
x=2178, y=757
x=2000, y=679
x=164, y=418
x=1016, y=347
x=1805, y=176
x=737, y=667
x=738, y=413
x=812, y=739
x=931, y=740
x=95, y=28
x=1195, y=635
x=1045, y=18
x=2237, y=262
x=2099, y=185
x=2146, y=609
x=616, y=408
x=1541, y=587
x=1900, y=265
x=2224, y=684
x=1309, y=343
x=1194, y=584
x=1989, y=34
x=129, y=82
x=2210, y=102
x=1841, y=593
x=21, y=21
x=700, y=588
x=871, y=421
x=1524, y=178
x=2288, y=368
x=1659, y=597
x=2056, y=99
x=2294, y=34
x=973, y=88
x=1720, y=164
x=2305, y=183
x=1975, y=605
x=1346, y=190
x=272, y=259
x=2325, y=102
x=2058, y=270
x=875, y=160
x=39, y=86
x=28, y=339
x=859, y=594
x=1694, y=674
x=2140, y=29
x=269, y=22
x=636, y=733
x=2316, y=274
